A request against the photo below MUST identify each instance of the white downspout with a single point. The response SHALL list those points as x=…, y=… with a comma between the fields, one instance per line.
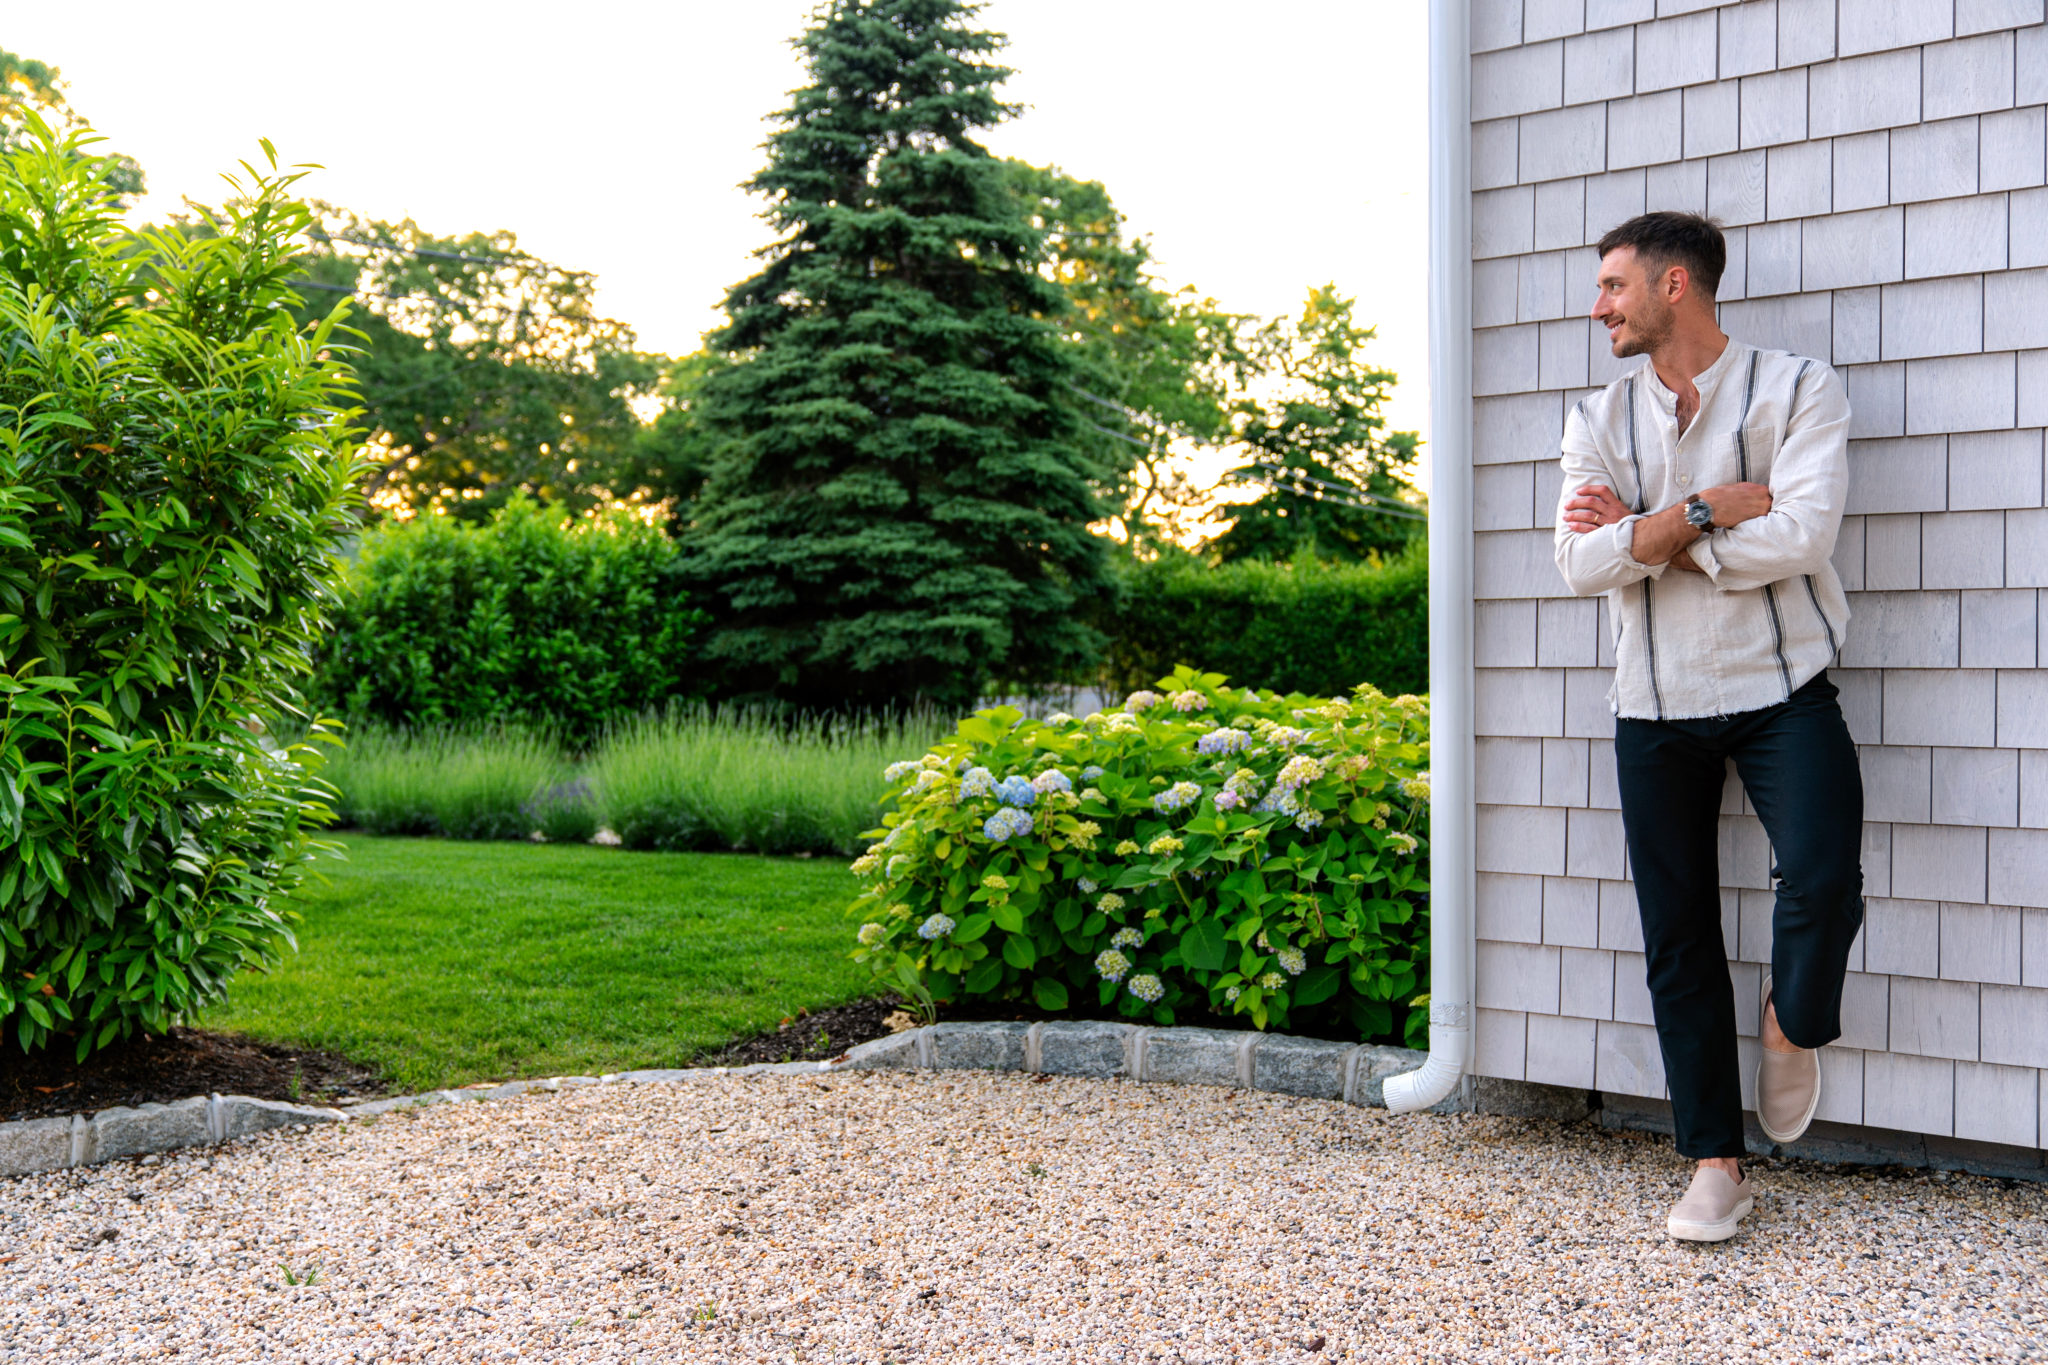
x=1452, y=815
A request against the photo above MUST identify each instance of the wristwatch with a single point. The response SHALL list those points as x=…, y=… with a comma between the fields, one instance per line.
x=1699, y=514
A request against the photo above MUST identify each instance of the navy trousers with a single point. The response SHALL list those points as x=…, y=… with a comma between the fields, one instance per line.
x=1798, y=765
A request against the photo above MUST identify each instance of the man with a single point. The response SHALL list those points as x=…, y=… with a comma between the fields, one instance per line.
x=1702, y=494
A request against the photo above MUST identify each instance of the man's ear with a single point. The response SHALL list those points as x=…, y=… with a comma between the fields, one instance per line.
x=1677, y=283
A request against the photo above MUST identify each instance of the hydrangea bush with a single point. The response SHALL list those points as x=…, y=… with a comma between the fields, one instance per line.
x=1204, y=850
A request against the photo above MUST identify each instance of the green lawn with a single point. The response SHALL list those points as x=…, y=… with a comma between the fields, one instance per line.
x=444, y=962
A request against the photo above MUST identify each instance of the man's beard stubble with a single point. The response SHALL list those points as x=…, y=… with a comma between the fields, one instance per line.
x=1645, y=334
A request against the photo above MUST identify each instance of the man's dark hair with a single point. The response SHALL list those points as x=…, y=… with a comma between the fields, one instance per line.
x=1665, y=239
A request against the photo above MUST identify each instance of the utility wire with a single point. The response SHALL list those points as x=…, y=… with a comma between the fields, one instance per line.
x=1349, y=494
x=325, y=237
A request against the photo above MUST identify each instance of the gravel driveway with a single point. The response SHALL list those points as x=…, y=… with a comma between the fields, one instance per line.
x=953, y=1217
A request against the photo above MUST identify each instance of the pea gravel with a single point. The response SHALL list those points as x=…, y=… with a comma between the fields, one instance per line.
x=957, y=1217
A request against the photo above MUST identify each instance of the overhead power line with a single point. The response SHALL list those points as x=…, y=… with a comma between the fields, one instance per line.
x=325, y=237
x=1349, y=494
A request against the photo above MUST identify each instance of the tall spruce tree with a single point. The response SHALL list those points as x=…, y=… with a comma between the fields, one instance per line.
x=899, y=503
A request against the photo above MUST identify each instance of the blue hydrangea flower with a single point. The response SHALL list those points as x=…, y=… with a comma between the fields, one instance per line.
x=1225, y=741
x=897, y=771
x=1015, y=791
x=1091, y=772
x=1176, y=796
x=1052, y=780
x=1228, y=799
x=1007, y=823
x=1111, y=964
x=1087, y=886
x=977, y=782
x=1147, y=988
x=1127, y=938
x=938, y=926
x=1308, y=819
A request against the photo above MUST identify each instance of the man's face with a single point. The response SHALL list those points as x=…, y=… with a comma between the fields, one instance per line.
x=1632, y=306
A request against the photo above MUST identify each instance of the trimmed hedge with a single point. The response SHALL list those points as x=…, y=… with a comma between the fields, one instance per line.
x=1306, y=627
x=534, y=618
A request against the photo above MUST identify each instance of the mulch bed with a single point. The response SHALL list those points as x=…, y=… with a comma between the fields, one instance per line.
x=811, y=1035
x=190, y=1061
x=183, y=1063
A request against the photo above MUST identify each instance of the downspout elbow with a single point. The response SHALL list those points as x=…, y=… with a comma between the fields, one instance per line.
x=1432, y=1083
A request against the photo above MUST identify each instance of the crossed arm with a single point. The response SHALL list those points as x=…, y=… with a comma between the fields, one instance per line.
x=1768, y=533
x=1664, y=537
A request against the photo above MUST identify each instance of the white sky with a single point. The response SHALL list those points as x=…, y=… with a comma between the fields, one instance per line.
x=1264, y=148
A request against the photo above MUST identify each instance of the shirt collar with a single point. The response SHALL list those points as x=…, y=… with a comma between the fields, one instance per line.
x=1704, y=381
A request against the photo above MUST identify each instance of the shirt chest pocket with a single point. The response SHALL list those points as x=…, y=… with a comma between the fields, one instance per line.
x=1742, y=457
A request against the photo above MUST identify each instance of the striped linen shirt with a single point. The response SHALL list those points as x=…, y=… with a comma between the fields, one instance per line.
x=1769, y=612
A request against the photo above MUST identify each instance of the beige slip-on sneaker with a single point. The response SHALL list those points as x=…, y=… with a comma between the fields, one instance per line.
x=1712, y=1206
x=1787, y=1088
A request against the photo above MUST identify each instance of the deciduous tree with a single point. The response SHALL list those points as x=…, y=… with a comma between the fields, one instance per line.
x=484, y=370
x=1333, y=479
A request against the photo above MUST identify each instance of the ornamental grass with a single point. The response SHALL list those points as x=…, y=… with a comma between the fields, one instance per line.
x=466, y=783
x=704, y=778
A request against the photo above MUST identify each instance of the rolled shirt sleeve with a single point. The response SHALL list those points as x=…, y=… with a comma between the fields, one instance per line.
x=1809, y=485
x=1603, y=559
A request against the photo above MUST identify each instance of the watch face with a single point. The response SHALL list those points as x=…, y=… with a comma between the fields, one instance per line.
x=1698, y=513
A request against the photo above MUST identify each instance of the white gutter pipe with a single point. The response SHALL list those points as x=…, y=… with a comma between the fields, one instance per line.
x=1452, y=813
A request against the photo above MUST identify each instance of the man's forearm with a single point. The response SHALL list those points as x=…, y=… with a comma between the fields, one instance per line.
x=1662, y=536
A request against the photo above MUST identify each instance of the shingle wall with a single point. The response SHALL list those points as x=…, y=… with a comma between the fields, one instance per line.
x=1881, y=171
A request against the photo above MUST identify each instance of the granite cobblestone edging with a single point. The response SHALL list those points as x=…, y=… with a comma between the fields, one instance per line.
x=1187, y=1056
x=1354, y=1073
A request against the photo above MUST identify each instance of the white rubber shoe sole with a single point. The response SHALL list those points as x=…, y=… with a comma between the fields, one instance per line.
x=1687, y=1230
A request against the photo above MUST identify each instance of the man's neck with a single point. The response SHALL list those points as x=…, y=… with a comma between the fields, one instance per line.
x=1686, y=354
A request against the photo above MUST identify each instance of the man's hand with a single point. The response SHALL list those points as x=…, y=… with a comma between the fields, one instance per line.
x=1592, y=507
x=1663, y=537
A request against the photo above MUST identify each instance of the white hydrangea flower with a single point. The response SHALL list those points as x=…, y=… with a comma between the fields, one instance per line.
x=1299, y=772
x=1111, y=964
x=870, y=934
x=1293, y=960
x=1147, y=988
